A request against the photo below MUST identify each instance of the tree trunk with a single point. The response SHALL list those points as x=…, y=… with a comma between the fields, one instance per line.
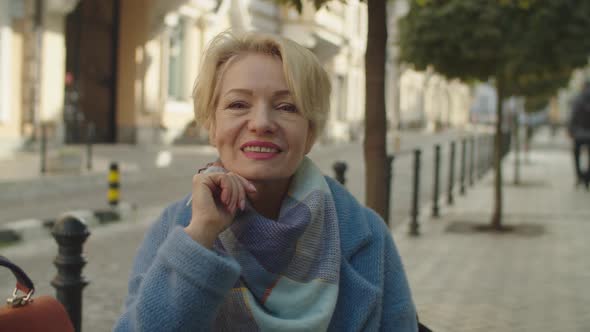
x=497, y=216
x=375, y=147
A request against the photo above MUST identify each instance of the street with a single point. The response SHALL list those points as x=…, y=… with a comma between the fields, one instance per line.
x=530, y=279
x=110, y=249
x=147, y=186
x=480, y=111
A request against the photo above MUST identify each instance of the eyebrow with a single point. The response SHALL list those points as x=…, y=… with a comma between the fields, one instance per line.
x=280, y=93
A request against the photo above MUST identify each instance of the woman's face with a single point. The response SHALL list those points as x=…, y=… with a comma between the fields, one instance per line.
x=258, y=131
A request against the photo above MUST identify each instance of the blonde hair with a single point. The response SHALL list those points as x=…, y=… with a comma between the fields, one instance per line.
x=306, y=79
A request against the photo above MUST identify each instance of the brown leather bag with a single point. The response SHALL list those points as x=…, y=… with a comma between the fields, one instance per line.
x=25, y=313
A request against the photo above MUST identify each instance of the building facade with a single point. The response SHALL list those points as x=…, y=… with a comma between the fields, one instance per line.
x=125, y=69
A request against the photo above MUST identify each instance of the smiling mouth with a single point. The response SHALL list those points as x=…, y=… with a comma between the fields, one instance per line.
x=260, y=149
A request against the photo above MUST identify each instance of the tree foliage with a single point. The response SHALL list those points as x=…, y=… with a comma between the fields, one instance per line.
x=481, y=39
x=298, y=4
x=538, y=88
x=528, y=47
x=461, y=39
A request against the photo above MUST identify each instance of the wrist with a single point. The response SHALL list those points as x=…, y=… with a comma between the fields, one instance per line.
x=203, y=236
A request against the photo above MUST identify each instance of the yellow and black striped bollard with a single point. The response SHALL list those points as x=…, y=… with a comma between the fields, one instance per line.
x=113, y=193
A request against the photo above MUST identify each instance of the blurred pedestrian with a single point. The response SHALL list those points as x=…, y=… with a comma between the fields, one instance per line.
x=579, y=131
x=265, y=242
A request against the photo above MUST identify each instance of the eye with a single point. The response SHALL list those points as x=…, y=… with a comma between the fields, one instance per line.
x=287, y=107
x=238, y=105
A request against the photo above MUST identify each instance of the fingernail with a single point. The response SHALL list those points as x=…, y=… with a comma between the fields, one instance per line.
x=252, y=186
x=242, y=205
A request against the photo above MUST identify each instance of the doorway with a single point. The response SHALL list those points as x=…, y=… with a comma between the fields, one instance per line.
x=91, y=71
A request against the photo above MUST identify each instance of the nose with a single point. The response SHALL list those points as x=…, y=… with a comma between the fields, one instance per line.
x=261, y=120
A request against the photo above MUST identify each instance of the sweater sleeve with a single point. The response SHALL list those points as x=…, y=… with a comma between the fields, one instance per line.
x=176, y=284
x=399, y=313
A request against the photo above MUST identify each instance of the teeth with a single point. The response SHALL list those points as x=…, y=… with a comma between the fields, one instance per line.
x=260, y=149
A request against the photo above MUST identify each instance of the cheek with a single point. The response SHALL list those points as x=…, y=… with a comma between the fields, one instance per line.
x=226, y=133
x=304, y=137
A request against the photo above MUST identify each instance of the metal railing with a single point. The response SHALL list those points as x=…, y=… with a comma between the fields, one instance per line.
x=476, y=157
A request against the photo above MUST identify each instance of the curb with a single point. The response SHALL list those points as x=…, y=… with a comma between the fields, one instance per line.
x=31, y=229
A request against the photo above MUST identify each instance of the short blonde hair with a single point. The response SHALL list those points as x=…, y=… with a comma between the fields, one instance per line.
x=306, y=79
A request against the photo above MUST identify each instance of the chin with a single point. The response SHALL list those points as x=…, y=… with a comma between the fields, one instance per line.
x=263, y=175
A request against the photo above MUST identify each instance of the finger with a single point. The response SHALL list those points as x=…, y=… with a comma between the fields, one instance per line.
x=225, y=184
x=209, y=182
x=247, y=190
x=248, y=186
x=233, y=202
x=241, y=194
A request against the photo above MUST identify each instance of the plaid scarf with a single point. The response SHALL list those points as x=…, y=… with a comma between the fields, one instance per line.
x=290, y=267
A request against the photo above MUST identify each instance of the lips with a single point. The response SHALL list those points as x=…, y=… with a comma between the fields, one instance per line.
x=260, y=147
x=260, y=150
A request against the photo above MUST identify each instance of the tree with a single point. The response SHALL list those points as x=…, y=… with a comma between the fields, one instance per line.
x=537, y=90
x=503, y=40
x=375, y=145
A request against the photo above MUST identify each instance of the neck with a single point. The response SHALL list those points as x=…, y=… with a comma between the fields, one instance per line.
x=269, y=196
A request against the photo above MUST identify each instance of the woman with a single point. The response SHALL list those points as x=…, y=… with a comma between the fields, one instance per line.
x=265, y=241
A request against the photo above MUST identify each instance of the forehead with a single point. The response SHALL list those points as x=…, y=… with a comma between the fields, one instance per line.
x=254, y=71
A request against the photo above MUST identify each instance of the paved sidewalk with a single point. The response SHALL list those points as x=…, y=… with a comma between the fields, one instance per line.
x=535, y=278
x=461, y=282
x=152, y=174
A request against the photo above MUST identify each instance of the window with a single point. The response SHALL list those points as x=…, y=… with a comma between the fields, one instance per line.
x=176, y=60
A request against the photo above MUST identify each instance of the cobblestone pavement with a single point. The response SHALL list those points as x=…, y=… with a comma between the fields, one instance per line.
x=26, y=195
x=534, y=278
x=109, y=251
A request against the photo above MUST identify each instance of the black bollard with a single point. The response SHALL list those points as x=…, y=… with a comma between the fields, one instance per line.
x=450, y=198
x=483, y=156
x=339, y=170
x=89, y=141
x=414, y=214
x=43, y=149
x=491, y=151
x=70, y=233
x=113, y=192
x=488, y=154
x=463, y=166
x=436, y=185
x=471, y=159
x=478, y=162
x=388, y=181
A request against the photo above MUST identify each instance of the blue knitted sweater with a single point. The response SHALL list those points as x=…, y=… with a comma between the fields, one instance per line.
x=178, y=285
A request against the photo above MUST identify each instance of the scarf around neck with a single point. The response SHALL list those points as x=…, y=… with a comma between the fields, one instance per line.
x=290, y=267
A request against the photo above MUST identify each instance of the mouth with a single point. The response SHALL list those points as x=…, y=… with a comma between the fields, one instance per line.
x=260, y=149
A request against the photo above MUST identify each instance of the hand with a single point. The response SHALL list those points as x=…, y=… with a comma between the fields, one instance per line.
x=216, y=199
